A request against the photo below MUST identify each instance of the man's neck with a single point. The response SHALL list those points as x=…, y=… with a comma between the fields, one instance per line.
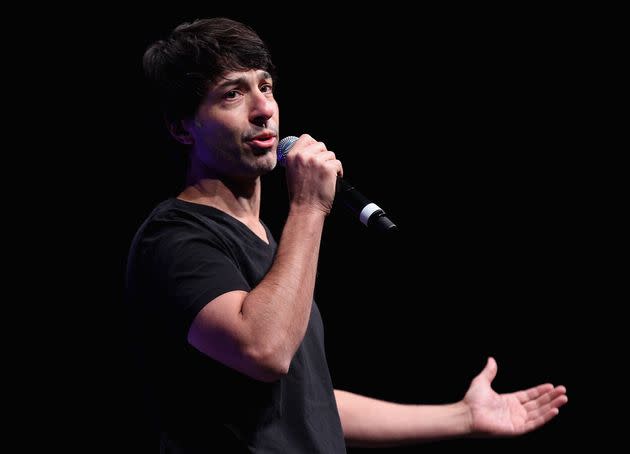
x=240, y=200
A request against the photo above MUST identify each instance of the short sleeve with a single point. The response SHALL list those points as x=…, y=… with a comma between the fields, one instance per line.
x=193, y=268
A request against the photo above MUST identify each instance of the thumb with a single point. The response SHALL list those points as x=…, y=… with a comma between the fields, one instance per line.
x=490, y=371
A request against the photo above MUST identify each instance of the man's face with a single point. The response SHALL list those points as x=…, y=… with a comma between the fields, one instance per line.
x=235, y=130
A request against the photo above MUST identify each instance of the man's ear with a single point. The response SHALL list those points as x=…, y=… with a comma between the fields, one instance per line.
x=179, y=131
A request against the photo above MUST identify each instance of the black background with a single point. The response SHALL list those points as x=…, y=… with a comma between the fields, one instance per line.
x=463, y=124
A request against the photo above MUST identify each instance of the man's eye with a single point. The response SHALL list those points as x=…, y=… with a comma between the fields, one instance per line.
x=232, y=94
x=266, y=88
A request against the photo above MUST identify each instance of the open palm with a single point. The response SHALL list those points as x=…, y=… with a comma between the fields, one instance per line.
x=510, y=413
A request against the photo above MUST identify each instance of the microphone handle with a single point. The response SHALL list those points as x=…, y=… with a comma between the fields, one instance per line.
x=369, y=213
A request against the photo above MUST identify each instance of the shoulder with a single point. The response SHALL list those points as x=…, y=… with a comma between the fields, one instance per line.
x=175, y=218
x=170, y=225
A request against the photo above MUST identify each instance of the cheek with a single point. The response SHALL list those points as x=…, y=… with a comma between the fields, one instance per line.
x=219, y=137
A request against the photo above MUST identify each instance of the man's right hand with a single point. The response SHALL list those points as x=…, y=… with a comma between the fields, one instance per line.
x=312, y=171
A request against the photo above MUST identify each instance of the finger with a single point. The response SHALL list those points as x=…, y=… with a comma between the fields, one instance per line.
x=544, y=398
x=336, y=164
x=339, y=168
x=540, y=420
x=330, y=157
x=326, y=156
x=533, y=393
x=558, y=402
x=319, y=147
x=313, y=150
x=318, y=151
x=301, y=146
x=490, y=370
x=307, y=139
x=304, y=140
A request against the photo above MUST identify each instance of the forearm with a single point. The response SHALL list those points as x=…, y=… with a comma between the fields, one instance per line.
x=371, y=422
x=278, y=308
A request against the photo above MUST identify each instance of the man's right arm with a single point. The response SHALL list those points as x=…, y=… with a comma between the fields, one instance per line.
x=258, y=332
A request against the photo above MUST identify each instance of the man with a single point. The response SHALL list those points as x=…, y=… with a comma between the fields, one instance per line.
x=231, y=339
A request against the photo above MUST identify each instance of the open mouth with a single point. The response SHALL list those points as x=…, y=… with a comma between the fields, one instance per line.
x=263, y=141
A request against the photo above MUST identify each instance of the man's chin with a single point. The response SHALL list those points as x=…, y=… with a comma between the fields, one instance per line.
x=265, y=163
x=261, y=151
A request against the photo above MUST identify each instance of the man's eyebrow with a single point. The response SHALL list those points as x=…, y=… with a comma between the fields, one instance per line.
x=240, y=80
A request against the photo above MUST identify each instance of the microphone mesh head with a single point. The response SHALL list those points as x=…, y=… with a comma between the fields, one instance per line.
x=284, y=146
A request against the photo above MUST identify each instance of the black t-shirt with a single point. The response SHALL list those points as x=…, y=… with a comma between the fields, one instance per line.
x=182, y=257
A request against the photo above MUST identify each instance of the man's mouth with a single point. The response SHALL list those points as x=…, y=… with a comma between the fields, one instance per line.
x=264, y=140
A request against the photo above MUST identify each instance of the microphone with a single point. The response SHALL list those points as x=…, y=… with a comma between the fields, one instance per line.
x=368, y=212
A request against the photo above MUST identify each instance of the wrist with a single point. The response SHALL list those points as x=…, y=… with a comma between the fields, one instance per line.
x=307, y=211
x=465, y=412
